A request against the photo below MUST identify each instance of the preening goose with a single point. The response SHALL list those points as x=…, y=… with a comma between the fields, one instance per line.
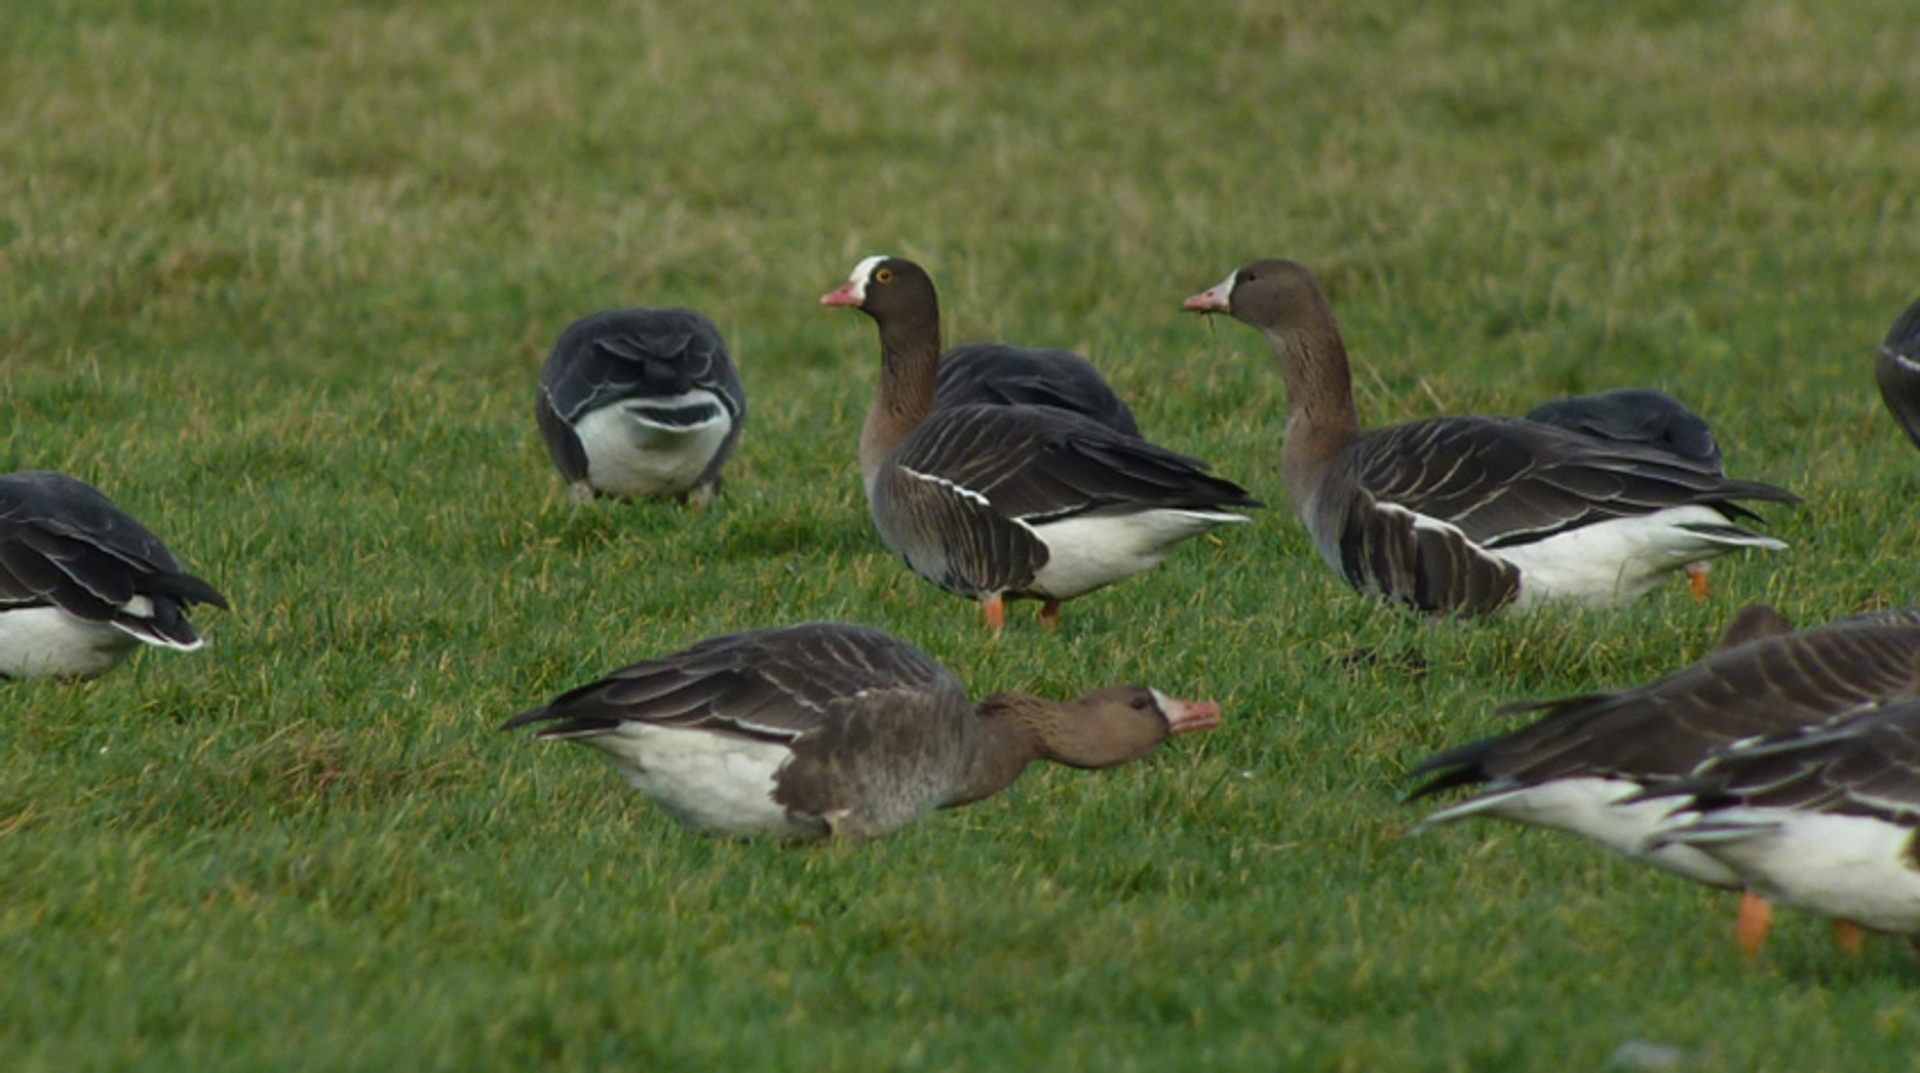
x=827, y=729
x=1824, y=819
x=995, y=374
x=1584, y=765
x=1898, y=371
x=1467, y=515
x=998, y=502
x=82, y=583
x=641, y=403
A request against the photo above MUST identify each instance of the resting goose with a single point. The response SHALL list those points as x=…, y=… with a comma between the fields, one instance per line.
x=1823, y=819
x=641, y=403
x=82, y=584
x=1898, y=371
x=833, y=730
x=1583, y=765
x=1635, y=415
x=994, y=374
x=1641, y=416
x=1467, y=515
x=998, y=502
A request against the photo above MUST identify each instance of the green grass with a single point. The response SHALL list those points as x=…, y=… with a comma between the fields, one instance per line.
x=278, y=277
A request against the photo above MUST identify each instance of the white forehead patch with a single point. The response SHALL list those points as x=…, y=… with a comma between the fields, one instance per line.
x=1225, y=289
x=863, y=272
x=1165, y=702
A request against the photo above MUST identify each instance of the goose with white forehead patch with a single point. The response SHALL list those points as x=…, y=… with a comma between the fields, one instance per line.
x=82, y=584
x=998, y=502
x=834, y=730
x=641, y=403
x=1467, y=515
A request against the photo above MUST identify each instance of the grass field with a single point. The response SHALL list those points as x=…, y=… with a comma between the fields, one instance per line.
x=278, y=278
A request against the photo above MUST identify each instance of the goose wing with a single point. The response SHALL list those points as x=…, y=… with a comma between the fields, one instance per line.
x=777, y=684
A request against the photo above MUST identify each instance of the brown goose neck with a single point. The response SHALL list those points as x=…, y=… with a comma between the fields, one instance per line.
x=1008, y=740
x=909, y=372
x=1320, y=416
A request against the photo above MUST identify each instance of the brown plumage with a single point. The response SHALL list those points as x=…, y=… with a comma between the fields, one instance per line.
x=1467, y=515
x=998, y=502
x=830, y=729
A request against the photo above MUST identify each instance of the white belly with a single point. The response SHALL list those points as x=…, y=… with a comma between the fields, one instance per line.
x=1616, y=561
x=709, y=782
x=1851, y=868
x=38, y=641
x=1084, y=553
x=629, y=455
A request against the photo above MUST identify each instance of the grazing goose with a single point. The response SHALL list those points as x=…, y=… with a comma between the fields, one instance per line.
x=1823, y=819
x=82, y=584
x=1642, y=416
x=998, y=502
x=1582, y=766
x=1898, y=371
x=994, y=374
x=1466, y=515
x=641, y=403
x=828, y=730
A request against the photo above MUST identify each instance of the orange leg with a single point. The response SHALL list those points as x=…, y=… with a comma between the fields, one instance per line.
x=1050, y=616
x=996, y=610
x=1697, y=581
x=1849, y=935
x=1755, y=920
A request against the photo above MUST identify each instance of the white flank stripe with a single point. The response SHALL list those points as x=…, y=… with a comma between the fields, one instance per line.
x=960, y=490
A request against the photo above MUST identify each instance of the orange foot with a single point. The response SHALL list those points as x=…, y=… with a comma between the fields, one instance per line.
x=1050, y=616
x=1849, y=935
x=996, y=611
x=1697, y=581
x=1755, y=920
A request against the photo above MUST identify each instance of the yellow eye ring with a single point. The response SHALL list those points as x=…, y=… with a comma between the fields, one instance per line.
x=883, y=275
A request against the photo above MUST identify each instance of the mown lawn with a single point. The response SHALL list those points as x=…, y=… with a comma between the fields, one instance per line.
x=278, y=277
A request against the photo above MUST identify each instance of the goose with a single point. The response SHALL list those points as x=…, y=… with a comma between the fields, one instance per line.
x=1823, y=819
x=1635, y=415
x=995, y=374
x=1898, y=371
x=82, y=584
x=1584, y=764
x=641, y=403
x=1468, y=515
x=1641, y=416
x=833, y=730
x=1000, y=502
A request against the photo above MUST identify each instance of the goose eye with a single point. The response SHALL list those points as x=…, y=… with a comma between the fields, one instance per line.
x=1140, y=704
x=1247, y=277
x=883, y=275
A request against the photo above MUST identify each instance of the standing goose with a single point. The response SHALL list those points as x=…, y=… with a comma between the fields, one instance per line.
x=1898, y=371
x=1822, y=819
x=1642, y=416
x=832, y=730
x=1583, y=765
x=994, y=374
x=641, y=403
x=1466, y=515
x=82, y=583
x=998, y=502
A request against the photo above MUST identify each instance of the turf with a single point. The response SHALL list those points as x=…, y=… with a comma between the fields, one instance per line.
x=277, y=277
